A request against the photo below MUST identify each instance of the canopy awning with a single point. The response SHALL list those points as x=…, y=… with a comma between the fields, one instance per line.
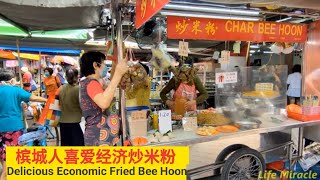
x=44, y=50
x=27, y=56
x=52, y=15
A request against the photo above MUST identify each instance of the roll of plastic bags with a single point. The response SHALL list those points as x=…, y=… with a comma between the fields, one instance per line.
x=32, y=136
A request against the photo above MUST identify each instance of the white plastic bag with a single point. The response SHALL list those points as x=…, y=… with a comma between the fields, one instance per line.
x=161, y=59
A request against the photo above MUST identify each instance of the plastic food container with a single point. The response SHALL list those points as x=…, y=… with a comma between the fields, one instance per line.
x=138, y=127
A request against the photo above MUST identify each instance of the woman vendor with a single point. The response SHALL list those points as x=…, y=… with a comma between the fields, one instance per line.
x=185, y=84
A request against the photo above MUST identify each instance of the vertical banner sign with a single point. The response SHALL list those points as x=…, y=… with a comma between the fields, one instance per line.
x=145, y=9
x=226, y=29
x=225, y=57
x=183, y=48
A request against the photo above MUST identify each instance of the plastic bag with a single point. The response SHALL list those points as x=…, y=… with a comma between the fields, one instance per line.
x=135, y=78
x=32, y=136
x=161, y=59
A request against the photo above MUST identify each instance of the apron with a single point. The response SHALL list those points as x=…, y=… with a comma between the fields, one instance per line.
x=110, y=126
x=102, y=128
x=188, y=92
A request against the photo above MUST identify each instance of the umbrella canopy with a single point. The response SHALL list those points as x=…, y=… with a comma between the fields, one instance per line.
x=64, y=59
x=6, y=55
x=28, y=56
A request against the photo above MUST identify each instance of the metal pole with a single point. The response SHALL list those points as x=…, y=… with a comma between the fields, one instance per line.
x=20, y=77
x=40, y=93
x=20, y=62
x=118, y=14
x=300, y=142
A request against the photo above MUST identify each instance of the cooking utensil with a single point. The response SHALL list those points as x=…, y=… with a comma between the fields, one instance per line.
x=248, y=124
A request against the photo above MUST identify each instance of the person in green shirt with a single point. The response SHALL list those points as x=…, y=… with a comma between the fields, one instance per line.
x=186, y=84
x=71, y=113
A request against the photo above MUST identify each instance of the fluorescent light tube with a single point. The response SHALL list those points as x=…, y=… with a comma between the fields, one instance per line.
x=211, y=9
x=215, y=16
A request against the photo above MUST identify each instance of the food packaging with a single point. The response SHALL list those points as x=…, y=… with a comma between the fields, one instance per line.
x=138, y=127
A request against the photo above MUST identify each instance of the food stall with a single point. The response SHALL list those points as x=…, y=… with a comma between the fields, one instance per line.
x=249, y=100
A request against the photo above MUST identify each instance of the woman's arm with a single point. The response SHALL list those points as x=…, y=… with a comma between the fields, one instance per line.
x=103, y=100
x=167, y=89
x=203, y=94
x=37, y=99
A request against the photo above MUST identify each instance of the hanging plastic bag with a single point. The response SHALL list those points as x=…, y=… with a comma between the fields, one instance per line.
x=135, y=78
x=161, y=59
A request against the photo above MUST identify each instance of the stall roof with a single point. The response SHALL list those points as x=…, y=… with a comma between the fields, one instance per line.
x=308, y=4
x=51, y=15
x=43, y=50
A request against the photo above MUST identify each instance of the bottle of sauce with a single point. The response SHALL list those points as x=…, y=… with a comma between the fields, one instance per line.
x=180, y=105
x=155, y=123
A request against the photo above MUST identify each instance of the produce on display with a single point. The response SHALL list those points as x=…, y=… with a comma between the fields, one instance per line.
x=207, y=131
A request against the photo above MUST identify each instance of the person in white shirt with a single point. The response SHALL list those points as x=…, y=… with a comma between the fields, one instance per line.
x=294, y=85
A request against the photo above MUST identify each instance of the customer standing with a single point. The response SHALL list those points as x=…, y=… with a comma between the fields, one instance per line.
x=93, y=99
x=71, y=133
x=294, y=85
x=51, y=83
x=26, y=79
x=11, y=122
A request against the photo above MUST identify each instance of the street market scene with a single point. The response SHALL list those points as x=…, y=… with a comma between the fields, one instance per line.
x=235, y=81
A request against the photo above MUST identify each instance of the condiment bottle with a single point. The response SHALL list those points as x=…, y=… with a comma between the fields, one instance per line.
x=180, y=105
x=155, y=123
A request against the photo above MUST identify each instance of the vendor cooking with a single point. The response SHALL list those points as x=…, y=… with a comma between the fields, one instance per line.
x=186, y=84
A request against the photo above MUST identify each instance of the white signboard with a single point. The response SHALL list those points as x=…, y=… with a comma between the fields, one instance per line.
x=226, y=77
x=165, y=122
x=183, y=48
x=225, y=57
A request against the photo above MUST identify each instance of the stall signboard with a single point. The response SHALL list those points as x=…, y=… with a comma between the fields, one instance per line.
x=227, y=29
x=145, y=9
x=226, y=77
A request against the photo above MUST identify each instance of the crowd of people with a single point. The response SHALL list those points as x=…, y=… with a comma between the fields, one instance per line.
x=80, y=96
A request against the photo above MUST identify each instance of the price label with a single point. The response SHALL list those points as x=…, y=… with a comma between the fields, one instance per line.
x=183, y=48
x=190, y=123
x=225, y=57
x=165, y=122
x=136, y=115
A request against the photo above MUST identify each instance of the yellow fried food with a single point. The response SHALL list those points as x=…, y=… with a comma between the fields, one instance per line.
x=207, y=131
x=209, y=117
x=227, y=129
x=266, y=94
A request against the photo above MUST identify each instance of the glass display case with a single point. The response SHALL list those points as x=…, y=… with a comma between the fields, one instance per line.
x=246, y=93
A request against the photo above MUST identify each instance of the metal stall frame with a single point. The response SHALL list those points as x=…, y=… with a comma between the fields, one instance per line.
x=185, y=139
